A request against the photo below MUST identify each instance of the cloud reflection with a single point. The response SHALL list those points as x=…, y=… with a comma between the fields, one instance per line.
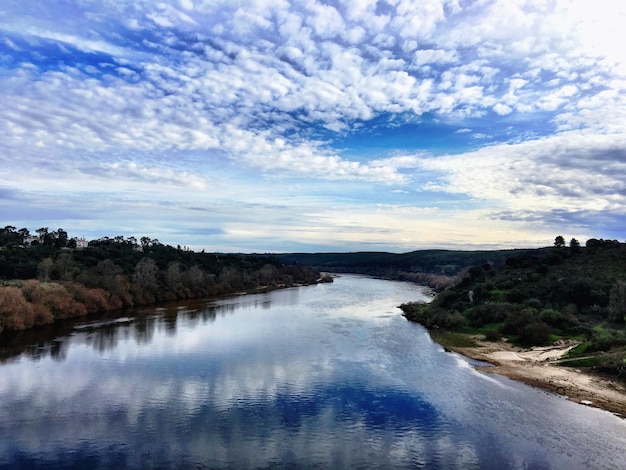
x=306, y=382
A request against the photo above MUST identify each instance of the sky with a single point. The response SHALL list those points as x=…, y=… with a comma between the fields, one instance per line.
x=311, y=126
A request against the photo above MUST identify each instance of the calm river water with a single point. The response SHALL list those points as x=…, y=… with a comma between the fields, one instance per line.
x=326, y=376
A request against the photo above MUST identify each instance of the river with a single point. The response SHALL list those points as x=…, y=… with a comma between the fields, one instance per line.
x=325, y=376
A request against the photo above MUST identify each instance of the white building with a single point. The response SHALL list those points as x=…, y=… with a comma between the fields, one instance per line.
x=81, y=242
x=29, y=239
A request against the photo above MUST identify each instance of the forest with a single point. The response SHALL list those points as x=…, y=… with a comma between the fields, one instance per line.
x=48, y=277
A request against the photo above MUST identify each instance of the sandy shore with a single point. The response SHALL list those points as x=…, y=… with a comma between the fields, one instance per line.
x=537, y=367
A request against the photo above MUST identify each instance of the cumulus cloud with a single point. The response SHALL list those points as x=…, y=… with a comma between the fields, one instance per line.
x=274, y=89
x=571, y=173
x=502, y=109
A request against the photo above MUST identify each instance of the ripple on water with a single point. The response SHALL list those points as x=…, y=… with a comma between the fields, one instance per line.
x=327, y=376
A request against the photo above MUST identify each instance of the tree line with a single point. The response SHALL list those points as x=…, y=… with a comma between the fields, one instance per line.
x=9, y=235
x=50, y=280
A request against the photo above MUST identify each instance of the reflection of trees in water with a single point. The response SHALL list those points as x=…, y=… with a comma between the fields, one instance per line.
x=104, y=339
x=141, y=325
x=34, y=343
x=144, y=330
x=169, y=321
x=58, y=350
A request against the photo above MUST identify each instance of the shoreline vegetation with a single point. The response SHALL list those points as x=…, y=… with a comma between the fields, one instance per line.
x=50, y=279
x=555, y=319
x=31, y=303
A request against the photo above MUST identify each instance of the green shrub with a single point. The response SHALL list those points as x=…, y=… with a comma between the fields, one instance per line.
x=492, y=312
x=578, y=350
x=536, y=333
x=595, y=310
x=514, y=324
x=533, y=303
x=614, y=363
x=493, y=335
x=450, y=297
x=413, y=310
x=552, y=317
x=452, y=339
x=449, y=321
x=476, y=272
x=604, y=339
x=516, y=296
x=583, y=362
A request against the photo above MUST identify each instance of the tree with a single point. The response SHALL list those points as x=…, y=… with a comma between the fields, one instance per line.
x=559, y=242
x=109, y=276
x=173, y=277
x=574, y=246
x=145, y=274
x=42, y=232
x=64, y=266
x=231, y=277
x=50, y=239
x=145, y=242
x=24, y=232
x=43, y=269
x=194, y=279
x=617, y=302
x=15, y=312
x=9, y=235
x=593, y=243
x=268, y=274
x=61, y=240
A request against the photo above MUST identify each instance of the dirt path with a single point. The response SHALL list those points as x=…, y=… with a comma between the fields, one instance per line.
x=538, y=367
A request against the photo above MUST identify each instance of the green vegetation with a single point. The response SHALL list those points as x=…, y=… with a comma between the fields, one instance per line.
x=541, y=296
x=434, y=268
x=51, y=279
x=450, y=339
x=530, y=296
x=443, y=262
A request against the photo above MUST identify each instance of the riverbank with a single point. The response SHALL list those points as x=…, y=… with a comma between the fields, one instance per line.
x=539, y=367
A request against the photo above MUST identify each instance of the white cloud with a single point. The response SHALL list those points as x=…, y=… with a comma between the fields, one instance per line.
x=325, y=20
x=274, y=88
x=569, y=171
x=502, y=109
x=434, y=56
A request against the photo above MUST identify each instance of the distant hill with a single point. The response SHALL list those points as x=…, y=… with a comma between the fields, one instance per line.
x=431, y=261
x=435, y=268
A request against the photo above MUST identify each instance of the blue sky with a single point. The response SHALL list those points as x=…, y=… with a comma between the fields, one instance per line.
x=284, y=125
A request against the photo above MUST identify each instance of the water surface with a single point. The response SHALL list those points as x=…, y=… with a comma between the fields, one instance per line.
x=326, y=376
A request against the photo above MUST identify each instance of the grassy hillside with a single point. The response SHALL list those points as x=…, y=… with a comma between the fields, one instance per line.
x=540, y=297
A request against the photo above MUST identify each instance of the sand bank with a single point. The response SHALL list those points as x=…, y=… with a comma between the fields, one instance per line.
x=538, y=367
